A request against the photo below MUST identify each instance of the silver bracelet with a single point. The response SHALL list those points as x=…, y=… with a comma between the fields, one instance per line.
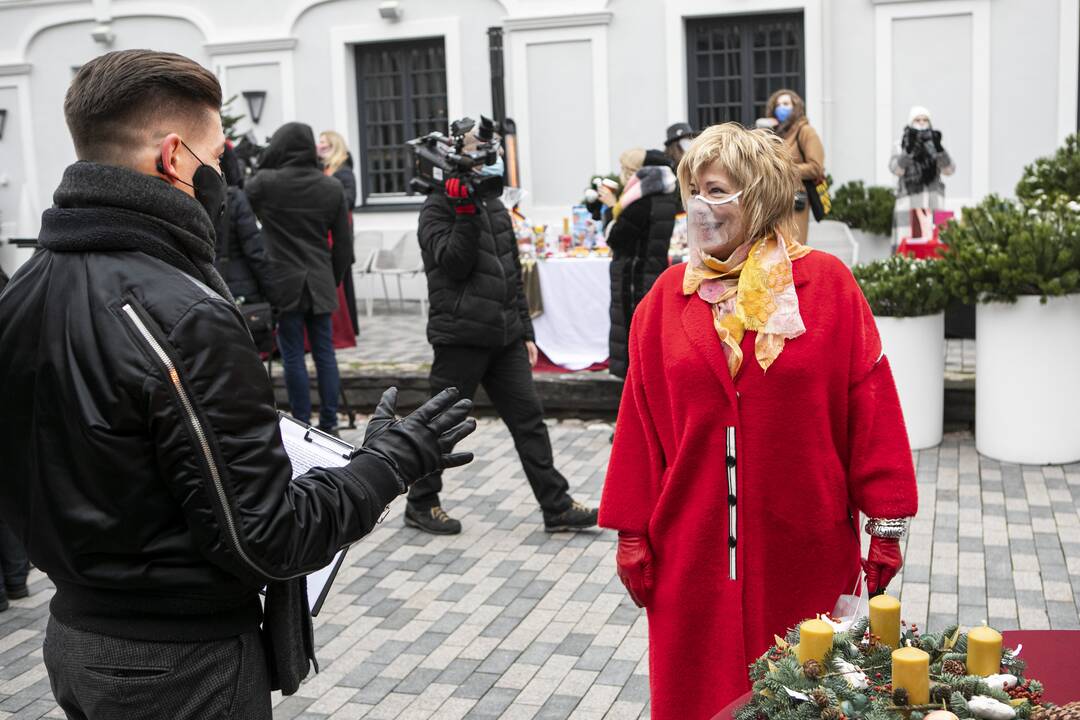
x=891, y=528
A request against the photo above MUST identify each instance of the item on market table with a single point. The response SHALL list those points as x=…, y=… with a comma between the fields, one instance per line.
x=565, y=240
x=861, y=678
x=1069, y=711
x=984, y=651
x=815, y=640
x=540, y=240
x=911, y=671
x=940, y=715
x=885, y=620
x=1000, y=681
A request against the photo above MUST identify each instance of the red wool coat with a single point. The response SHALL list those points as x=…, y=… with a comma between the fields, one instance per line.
x=817, y=439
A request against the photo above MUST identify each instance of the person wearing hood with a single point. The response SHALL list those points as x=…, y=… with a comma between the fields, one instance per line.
x=298, y=206
x=785, y=113
x=639, y=239
x=240, y=255
x=144, y=469
x=919, y=160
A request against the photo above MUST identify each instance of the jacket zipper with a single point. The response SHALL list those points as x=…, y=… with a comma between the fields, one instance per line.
x=204, y=444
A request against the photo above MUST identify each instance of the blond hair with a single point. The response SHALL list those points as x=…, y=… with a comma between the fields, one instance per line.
x=629, y=163
x=339, y=151
x=757, y=164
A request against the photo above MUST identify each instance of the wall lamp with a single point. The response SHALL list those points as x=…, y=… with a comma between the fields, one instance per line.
x=256, y=100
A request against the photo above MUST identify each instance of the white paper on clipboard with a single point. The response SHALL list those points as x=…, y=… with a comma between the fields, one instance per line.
x=307, y=447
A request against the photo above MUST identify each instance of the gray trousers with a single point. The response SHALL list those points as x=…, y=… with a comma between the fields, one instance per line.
x=100, y=677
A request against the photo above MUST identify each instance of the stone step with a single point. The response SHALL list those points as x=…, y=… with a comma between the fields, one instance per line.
x=586, y=395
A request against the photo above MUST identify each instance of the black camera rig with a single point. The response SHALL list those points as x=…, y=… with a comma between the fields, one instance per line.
x=438, y=158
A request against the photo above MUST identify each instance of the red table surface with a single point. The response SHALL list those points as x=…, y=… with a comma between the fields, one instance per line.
x=1053, y=658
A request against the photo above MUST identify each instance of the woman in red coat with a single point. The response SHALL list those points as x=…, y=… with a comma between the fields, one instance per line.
x=759, y=418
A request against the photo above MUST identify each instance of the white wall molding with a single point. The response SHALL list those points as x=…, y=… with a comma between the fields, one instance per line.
x=15, y=69
x=236, y=47
x=21, y=85
x=885, y=133
x=88, y=13
x=1068, y=67
x=676, y=12
x=548, y=22
x=282, y=58
x=517, y=44
x=342, y=73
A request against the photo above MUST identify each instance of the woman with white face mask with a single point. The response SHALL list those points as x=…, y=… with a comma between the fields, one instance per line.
x=919, y=160
x=758, y=420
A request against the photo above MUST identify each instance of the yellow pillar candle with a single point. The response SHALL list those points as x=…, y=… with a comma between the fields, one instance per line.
x=885, y=619
x=815, y=639
x=983, y=651
x=911, y=671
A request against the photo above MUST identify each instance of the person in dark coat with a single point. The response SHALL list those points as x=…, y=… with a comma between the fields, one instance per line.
x=298, y=207
x=639, y=239
x=143, y=464
x=241, y=255
x=337, y=162
x=480, y=328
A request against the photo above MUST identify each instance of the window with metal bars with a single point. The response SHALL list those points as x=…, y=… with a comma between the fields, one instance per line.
x=401, y=91
x=735, y=62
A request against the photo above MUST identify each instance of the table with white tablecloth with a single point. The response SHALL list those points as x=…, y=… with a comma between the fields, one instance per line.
x=573, y=329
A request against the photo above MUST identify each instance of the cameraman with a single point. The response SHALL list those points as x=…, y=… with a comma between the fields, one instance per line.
x=480, y=329
x=919, y=161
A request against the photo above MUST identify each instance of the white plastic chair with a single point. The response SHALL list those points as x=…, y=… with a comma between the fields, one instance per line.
x=835, y=237
x=366, y=244
x=402, y=260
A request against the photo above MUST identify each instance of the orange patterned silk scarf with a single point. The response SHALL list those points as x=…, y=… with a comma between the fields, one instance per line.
x=751, y=290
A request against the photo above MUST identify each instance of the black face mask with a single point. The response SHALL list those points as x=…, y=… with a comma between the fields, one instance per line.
x=209, y=187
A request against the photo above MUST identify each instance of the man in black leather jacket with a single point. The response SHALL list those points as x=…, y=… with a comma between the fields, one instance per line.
x=143, y=467
x=480, y=328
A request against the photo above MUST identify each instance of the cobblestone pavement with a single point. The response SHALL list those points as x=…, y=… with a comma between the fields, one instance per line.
x=507, y=621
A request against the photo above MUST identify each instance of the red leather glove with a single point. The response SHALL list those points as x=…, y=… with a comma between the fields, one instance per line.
x=458, y=192
x=634, y=564
x=882, y=562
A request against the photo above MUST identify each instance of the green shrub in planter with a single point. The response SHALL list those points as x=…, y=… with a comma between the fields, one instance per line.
x=864, y=208
x=1001, y=249
x=900, y=286
x=1050, y=178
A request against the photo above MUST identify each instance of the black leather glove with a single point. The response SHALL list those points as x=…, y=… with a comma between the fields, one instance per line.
x=910, y=135
x=937, y=141
x=423, y=442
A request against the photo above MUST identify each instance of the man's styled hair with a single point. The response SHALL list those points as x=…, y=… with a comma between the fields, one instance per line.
x=116, y=96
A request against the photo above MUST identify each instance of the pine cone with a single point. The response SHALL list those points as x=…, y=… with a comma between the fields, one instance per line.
x=940, y=694
x=1071, y=711
x=954, y=667
x=900, y=696
x=820, y=698
x=831, y=713
x=812, y=669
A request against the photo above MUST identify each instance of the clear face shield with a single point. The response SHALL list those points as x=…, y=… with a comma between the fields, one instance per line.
x=713, y=227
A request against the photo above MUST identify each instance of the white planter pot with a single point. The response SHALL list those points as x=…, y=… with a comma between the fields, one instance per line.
x=871, y=246
x=915, y=347
x=1027, y=387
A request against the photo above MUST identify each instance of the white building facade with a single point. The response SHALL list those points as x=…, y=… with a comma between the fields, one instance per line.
x=583, y=79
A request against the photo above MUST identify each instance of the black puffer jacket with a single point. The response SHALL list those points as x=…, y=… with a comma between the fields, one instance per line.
x=142, y=463
x=474, y=275
x=298, y=206
x=639, y=242
x=241, y=255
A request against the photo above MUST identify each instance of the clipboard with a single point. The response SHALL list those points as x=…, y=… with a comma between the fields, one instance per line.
x=309, y=447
